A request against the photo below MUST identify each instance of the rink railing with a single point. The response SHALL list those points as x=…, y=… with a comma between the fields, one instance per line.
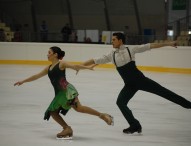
x=166, y=59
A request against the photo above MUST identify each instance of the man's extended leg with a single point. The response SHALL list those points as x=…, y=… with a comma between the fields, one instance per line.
x=153, y=87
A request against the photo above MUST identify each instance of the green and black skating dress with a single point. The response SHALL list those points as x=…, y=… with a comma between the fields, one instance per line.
x=65, y=93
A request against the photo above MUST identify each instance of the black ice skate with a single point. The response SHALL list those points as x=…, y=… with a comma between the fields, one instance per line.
x=133, y=129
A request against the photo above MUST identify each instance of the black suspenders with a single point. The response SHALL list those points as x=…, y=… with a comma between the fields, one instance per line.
x=114, y=56
x=129, y=53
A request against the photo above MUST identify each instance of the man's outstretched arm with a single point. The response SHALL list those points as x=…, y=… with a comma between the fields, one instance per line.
x=159, y=45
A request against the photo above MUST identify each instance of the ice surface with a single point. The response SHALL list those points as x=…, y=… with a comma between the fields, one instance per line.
x=22, y=109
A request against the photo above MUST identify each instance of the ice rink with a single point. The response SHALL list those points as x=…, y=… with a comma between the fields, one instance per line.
x=22, y=109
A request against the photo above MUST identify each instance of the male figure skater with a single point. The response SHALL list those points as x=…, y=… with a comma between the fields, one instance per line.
x=124, y=60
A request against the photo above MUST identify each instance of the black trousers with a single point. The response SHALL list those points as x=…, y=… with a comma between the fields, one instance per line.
x=148, y=85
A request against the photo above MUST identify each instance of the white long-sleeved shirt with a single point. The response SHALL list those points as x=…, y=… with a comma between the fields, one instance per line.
x=122, y=56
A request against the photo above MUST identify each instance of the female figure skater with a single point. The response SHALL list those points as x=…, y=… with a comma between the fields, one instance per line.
x=66, y=96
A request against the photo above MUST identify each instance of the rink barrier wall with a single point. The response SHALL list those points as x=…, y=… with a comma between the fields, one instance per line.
x=166, y=59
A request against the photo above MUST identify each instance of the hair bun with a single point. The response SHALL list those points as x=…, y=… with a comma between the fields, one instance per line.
x=57, y=50
x=63, y=53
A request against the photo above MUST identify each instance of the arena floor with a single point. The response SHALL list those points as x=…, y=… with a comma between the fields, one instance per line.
x=22, y=109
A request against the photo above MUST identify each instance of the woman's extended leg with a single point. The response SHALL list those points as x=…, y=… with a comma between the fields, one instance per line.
x=85, y=109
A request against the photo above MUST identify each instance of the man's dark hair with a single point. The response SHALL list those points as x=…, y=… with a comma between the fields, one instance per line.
x=120, y=36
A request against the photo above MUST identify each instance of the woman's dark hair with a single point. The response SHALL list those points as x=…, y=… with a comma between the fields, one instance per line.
x=57, y=50
x=120, y=36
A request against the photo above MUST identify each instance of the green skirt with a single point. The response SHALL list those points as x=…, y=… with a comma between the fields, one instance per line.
x=62, y=101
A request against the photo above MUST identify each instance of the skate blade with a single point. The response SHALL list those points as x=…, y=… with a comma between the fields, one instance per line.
x=137, y=133
x=64, y=138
